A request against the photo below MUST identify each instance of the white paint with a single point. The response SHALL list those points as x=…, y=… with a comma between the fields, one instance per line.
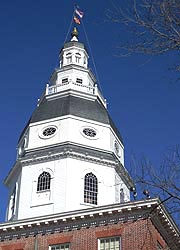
x=67, y=187
x=67, y=174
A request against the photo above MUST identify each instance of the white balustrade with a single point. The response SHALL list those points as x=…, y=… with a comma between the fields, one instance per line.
x=75, y=86
x=68, y=85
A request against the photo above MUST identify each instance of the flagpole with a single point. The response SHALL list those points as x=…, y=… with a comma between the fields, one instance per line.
x=93, y=61
x=69, y=27
x=80, y=14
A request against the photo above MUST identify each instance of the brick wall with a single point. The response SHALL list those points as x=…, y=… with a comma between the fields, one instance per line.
x=135, y=235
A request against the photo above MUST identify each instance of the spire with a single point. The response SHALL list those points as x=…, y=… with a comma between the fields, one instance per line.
x=74, y=35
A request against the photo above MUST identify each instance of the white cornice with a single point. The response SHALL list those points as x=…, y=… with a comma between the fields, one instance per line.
x=37, y=157
x=103, y=215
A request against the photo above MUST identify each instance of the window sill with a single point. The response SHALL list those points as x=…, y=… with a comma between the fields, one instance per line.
x=42, y=204
x=88, y=204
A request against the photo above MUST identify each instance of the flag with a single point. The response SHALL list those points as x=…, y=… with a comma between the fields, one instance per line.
x=76, y=20
x=79, y=13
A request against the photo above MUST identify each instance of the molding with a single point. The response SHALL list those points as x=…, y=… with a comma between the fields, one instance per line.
x=74, y=151
x=95, y=217
x=71, y=117
x=68, y=149
x=80, y=152
x=73, y=92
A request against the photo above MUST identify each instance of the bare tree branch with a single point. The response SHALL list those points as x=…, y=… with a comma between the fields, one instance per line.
x=153, y=24
x=163, y=181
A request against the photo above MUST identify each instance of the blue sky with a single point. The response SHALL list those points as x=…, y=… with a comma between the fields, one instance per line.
x=143, y=97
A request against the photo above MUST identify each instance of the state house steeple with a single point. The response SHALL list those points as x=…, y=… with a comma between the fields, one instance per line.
x=70, y=155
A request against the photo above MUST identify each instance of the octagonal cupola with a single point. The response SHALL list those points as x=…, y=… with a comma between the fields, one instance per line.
x=73, y=73
x=73, y=52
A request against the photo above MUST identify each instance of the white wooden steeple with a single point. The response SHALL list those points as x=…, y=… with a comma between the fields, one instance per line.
x=70, y=155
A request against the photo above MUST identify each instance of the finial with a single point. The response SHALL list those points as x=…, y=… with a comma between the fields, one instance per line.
x=74, y=34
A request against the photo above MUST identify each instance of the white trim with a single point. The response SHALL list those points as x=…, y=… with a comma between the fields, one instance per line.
x=60, y=245
x=108, y=238
x=155, y=203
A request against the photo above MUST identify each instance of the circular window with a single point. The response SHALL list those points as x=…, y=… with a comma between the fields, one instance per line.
x=48, y=132
x=89, y=132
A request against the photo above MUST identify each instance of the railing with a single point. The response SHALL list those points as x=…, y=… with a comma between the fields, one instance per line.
x=76, y=86
x=63, y=86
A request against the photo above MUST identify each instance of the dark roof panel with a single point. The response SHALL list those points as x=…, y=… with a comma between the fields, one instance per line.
x=76, y=106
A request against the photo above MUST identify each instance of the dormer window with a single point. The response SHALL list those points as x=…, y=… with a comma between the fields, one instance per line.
x=79, y=80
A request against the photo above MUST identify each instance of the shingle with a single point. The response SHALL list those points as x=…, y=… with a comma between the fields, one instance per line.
x=71, y=105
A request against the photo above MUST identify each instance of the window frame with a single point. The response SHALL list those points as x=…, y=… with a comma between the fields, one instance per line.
x=53, y=247
x=64, y=80
x=69, y=58
x=41, y=131
x=90, y=189
x=79, y=80
x=109, y=247
x=44, y=185
x=90, y=128
x=77, y=57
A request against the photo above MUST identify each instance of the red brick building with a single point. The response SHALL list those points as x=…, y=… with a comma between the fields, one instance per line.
x=135, y=225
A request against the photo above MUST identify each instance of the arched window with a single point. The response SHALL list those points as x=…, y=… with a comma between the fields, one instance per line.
x=77, y=57
x=90, y=188
x=44, y=180
x=69, y=58
x=121, y=195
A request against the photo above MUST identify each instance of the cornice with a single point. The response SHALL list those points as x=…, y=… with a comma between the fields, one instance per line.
x=79, y=152
x=65, y=150
x=75, y=151
x=96, y=217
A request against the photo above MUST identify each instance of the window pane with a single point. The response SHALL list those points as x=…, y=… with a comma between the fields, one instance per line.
x=65, y=80
x=110, y=244
x=79, y=80
x=61, y=247
x=90, y=188
x=69, y=59
x=44, y=181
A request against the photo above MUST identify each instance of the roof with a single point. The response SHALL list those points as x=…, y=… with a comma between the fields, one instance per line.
x=71, y=105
